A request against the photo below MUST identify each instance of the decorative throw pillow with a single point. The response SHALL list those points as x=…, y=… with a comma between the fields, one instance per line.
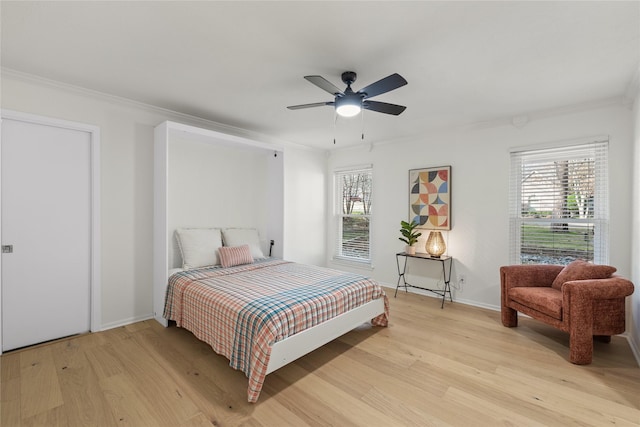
x=198, y=246
x=235, y=255
x=243, y=236
x=582, y=270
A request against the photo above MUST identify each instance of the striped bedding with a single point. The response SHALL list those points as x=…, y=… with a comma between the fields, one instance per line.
x=242, y=311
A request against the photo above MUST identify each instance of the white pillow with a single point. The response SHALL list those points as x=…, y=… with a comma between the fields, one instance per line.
x=199, y=246
x=243, y=236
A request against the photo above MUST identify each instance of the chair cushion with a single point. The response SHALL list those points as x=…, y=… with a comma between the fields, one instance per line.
x=582, y=270
x=540, y=298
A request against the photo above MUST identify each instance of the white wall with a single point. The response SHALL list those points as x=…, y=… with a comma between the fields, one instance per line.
x=634, y=303
x=479, y=239
x=211, y=185
x=127, y=184
x=305, y=209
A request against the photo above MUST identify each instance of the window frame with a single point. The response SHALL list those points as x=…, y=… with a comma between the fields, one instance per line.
x=339, y=215
x=596, y=147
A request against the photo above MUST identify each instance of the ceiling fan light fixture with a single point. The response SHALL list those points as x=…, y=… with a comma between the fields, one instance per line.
x=348, y=110
x=347, y=106
x=348, y=103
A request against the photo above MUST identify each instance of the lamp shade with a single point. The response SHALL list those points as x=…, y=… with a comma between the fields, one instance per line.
x=435, y=244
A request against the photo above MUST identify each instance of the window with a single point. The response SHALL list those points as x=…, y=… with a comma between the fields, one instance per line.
x=559, y=207
x=353, y=214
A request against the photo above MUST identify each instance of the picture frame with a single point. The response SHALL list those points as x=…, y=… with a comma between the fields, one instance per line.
x=430, y=197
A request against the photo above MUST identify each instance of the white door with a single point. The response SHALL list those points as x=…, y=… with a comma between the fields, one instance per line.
x=46, y=232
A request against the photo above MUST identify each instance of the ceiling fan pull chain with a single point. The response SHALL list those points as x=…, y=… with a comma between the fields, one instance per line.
x=335, y=120
x=362, y=114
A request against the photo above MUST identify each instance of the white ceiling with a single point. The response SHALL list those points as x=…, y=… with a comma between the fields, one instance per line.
x=241, y=63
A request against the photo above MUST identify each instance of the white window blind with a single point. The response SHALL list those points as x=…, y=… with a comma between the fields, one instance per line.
x=353, y=203
x=559, y=205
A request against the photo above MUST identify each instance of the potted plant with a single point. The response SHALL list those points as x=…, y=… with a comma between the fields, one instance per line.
x=409, y=236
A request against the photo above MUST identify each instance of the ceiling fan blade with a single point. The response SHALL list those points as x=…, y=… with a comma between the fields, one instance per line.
x=324, y=84
x=389, y=83
x=383, y=107
x=315, y=104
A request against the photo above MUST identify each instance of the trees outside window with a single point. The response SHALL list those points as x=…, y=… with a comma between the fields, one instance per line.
x=353, y=189
x=559, y=208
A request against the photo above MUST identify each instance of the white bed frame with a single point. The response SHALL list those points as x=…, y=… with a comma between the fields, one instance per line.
x=304, y=342
x=282, y=352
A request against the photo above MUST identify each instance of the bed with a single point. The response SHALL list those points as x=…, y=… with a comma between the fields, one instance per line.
x=265, y=314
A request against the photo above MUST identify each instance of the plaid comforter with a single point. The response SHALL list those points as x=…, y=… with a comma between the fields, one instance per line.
x=242, y=311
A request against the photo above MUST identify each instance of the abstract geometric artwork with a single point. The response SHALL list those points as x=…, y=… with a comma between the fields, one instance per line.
x=430, y=197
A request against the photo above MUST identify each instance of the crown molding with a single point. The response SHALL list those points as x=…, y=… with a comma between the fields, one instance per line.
x=629, y=100
x=170, y=114
x=518, y=121
x=521, y=120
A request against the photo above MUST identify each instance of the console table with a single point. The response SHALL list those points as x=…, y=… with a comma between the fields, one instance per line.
x=446, y=275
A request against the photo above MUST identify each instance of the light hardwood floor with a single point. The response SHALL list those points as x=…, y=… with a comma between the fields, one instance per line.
x=456, y=366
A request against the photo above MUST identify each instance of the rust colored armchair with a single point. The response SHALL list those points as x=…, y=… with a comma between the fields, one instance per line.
x=583, y=299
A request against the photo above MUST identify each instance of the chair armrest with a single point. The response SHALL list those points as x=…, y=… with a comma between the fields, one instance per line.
x=528, y=275
x=581, y=311
x=610, y=288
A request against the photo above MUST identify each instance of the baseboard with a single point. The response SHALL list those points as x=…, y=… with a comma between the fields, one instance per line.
x=635, y=347
x=478, y=304
x=392, y=289
x=125, y=322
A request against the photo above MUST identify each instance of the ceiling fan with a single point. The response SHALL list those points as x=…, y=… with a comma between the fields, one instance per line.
x=350, y=103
